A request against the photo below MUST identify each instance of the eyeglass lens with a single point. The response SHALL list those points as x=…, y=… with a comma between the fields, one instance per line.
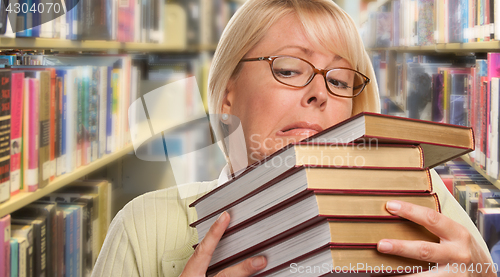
x=296, y=72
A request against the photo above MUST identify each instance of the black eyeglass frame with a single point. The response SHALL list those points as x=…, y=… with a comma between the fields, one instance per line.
x=323, y=72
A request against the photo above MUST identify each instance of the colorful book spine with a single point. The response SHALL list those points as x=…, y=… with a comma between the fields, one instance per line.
x=44, y=163
x=31, y=123
x=5, y=113
x=85, y=116
x=55, y=127
x=103, y=85
x=93, y=113
x=5, y=235
x=70, y=134
x=14, y=258
x=79, y=138
x=62, y=103
x=115, y=109
x=16, y=131
x=52, y=124
x=109, y=111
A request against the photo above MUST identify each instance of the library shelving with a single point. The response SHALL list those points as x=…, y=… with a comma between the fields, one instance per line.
x=485, y=46
x=24, y=198
x=494, y=181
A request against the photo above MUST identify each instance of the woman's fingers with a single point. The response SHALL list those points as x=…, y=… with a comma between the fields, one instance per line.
x=200, y=260
x=435, y=222
x=248, y=267
x=418, y=250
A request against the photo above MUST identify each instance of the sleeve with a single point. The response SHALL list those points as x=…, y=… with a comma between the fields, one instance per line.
x=117, y=256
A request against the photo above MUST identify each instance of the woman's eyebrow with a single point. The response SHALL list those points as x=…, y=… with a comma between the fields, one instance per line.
x=306, y=51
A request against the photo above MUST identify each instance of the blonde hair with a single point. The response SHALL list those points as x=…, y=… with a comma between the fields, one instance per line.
x=325, y=24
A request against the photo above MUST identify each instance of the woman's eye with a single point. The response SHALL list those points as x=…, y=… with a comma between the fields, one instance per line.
x=338, y=84
x=287, y=73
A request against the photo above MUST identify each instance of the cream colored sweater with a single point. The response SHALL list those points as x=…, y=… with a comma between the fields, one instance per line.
x=151, y=236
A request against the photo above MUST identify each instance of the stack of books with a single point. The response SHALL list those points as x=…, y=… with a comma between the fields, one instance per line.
x=320, y=203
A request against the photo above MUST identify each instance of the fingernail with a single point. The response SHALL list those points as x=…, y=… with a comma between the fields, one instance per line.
x=393, y=206
x=222, y=217
x=384, y=246
x=258, y=262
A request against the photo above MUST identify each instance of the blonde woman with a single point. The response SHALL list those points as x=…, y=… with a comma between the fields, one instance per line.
x=150, y=236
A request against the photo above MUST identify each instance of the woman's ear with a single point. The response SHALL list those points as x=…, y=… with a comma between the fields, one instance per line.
x=228, y=99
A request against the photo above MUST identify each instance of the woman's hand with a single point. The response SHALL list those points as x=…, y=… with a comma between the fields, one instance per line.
x=456, y=243
x=198, y=263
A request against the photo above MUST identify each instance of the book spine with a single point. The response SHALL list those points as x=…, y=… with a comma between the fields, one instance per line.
x=5, y=113
x=14, y=257
x=77, y=242
x=85, y=117
x=62, y=103
x=53, y=126
x=109, y=111
x=56, y=126
x=79, y=139
x=70, y=91
x=5, y=246
x=115, y=118
x=31, y=174
x=102, y=109
x=94, y=113
x=16, y=131
x=44, y=129
x=69, y=265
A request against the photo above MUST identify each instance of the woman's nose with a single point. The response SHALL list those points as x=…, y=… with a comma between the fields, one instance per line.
x=316, y=93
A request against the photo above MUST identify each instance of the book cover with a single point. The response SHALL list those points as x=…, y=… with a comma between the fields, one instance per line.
x=30, y=145
x=425, y=22
x=126, y=22
x=79, y=115
x=96, y=20
x=44, y=129
x=5, y=234
x=24, y=235
x=458, y=93
x=384, y=29
x=93, y=113
x=39, y=243
x=455, y=33
x=46, y=212
x=14, y=257
x=5, y=114
x=103, y=104
x=109, y=111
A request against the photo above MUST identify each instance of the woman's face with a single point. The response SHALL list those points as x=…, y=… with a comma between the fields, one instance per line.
x=272, y=114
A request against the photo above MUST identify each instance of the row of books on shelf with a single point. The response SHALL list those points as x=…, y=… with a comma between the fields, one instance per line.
x=124, y=21
x=206, y=19
x=428, y=22
x=455, y=90
x=58, y=118
x=477, y=196
x=288, y=209
x=61, y=234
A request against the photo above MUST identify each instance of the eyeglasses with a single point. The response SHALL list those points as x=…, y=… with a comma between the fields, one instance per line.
x=298, y=73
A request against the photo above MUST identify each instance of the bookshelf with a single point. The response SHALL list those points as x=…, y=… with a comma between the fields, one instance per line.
x=88, y=45
x=486, y=46
x=494, y=181
x=23, y=198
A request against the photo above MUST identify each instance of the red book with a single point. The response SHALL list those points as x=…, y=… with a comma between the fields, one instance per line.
x=352, y=236
x=16, y=131
x=484, y=122
x=126, y=20
x=5, y=112
x=306, y=210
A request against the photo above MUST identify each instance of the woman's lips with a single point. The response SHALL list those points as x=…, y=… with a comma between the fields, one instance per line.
x=301, y=128
x=297, y=132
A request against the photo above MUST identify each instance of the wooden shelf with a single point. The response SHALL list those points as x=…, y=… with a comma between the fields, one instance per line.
x=484, y=46
x=23, y=198
x=86, y=45
x=492, y=180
